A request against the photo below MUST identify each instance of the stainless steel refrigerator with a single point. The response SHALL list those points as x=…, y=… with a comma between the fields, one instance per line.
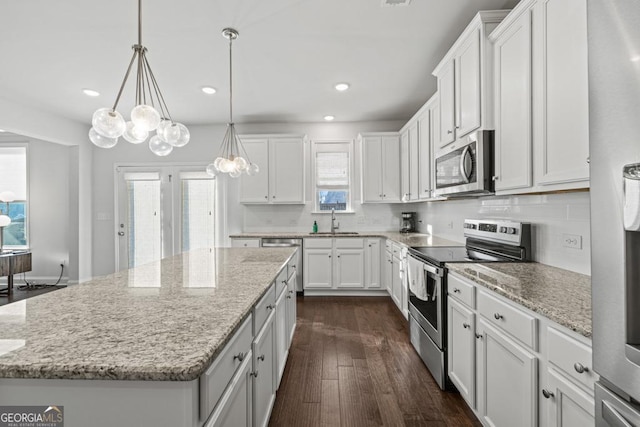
x=614, y=115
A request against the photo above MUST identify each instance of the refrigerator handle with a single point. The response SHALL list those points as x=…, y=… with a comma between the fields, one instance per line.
x=612, y=416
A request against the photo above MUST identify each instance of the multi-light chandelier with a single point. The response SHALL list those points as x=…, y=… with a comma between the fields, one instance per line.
x=109, y=125
x=230, y=157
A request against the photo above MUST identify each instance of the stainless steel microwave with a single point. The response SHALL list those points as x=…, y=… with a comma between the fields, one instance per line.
x=466, y=168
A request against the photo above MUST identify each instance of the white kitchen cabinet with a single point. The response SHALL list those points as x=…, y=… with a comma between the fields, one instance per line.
x=541, y=98
x=282, y=173
x=414, y=161
x=465, y=81
x=292, y=310
x=396, y=282
x=425, y=151
x=349, y=265
x=507, y=380
x=244, y=243
x=461, y=348
x=380, y=167
x=388, y=272
x=318, y=267
x=373, y=264
x=405, y=165
x=513, y=137
x=282, y=335
x=235, y=408
x=569, y=405
x=264, y=372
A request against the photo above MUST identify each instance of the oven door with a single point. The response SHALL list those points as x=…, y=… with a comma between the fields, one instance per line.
x=426, y=296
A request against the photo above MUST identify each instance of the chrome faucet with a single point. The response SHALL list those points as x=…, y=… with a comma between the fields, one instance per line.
x=334, y=227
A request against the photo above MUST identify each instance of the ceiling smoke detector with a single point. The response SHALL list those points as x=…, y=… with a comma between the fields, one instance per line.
x=387, y=3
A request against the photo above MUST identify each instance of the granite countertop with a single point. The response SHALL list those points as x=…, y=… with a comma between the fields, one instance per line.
x=560, y=295
x=163, y=321
x=407, y=239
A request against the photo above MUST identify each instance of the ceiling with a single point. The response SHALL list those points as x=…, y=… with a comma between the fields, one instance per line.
x=289, y=55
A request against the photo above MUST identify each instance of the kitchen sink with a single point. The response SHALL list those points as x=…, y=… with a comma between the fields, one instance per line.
x=343, y=233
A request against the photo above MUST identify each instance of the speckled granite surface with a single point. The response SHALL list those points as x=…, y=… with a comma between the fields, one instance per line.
x=162, y=321
x=560, y=295
x=407, y=239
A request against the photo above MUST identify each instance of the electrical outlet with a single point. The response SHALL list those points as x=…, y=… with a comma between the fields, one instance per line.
x=450, y=225
x=573, y=241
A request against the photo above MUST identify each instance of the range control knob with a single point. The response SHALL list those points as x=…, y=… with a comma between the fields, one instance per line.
x=503, y=229
x=511, y=230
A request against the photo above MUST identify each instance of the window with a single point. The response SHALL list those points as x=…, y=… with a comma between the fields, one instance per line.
x=332, y=166
x=13, y=178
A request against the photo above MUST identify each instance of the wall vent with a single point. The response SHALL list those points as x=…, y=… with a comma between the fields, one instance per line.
x=388, y=3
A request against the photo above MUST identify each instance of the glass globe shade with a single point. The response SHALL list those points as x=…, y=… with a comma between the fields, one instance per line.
x=145, y=117
x=101, y=141
x=4, y=220
x=241, y=163
x=135, y=135
x=211, y=170
x=252, y=169
x=184, y=137
x=159, y=147
x=169, y=131
x=216, y=163
x=235, y=173
x=108, y=122
x=226, y=165
x=7, y=196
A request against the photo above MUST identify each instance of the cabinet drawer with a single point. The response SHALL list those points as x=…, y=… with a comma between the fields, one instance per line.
x=318, y=243
x=462, y=291
x=349, y=243
x=245, y=243
x=387, y=244
x=395, y=249
x=263, y=309
x=294, y=263
x=215, y=379
x=514, y=321
x=281, y=282
x=571, y=356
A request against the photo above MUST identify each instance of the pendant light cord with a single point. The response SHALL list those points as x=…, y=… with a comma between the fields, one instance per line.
x=230, y=79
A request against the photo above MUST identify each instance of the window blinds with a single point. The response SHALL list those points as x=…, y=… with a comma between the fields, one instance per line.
x=13, y=171
x=332, y=169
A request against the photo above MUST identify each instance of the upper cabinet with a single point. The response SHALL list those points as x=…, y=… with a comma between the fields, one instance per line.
x=541, y=97
x=380, y=167
x=465, y=81
x=281, y=176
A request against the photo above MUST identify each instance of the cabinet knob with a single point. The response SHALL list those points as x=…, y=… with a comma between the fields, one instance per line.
x=270, y=307
x=456, y=290
x=466, y=325
x=381, y=195
x=589, y=159
x=261, y=358
x=273, y=197
x=384, y=195
x=580, y=368
x=449, y=131
x=254, y=374
x=479, y=336
x=369, y=245
x=338, y=256
x=288, y=296
x=458, y=127
x=498, y=316
x=329, y=256
x=547, y=394
x=495, y=178
x=266, y=197
x=239, y=357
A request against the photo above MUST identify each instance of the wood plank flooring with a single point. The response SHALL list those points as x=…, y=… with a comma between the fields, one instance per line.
x=351, y=364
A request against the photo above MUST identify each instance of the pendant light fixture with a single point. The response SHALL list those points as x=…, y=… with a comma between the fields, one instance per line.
x=109, y=125
x=230, y=157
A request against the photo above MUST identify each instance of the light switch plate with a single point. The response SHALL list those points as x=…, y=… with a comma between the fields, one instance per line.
x=573, y=241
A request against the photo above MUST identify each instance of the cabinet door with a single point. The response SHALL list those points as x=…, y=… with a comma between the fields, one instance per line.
x=235, y=408
x=282, y=335
x=349, y=268
x=569, y=406
x=264, y=370
x=424, y=155
x=292, y=309
x=372, y=264
x=513, y=106
x=286, y=170
x=245, y=243
x=468, y=85
x=404, y=165
x=564, y=129
x=446, y=94
x=255, y=189
x=388, y=272
x=507, y=380
x=372, y=171
x=414, y=176
x=391, y=168
x=317, y=268
x=461, y=350
x=396, y=286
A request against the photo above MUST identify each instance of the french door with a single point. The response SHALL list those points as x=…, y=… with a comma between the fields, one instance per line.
x=162, y=211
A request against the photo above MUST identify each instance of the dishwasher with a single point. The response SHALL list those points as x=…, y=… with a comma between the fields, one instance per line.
x=287, y=243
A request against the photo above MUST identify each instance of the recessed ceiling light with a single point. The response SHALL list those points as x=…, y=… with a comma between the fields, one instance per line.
x=341, y=87
x=2, y=130
x=209, y=90
x=91, y=92
x=635, y=58
x=329, y=118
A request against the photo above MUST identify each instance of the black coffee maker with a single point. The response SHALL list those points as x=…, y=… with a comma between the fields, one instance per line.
x=408, y=224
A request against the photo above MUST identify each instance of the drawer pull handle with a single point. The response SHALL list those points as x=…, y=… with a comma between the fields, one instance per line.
x=479, y=336
x=580, y=368
x=498, y=316
x=254, y=374
x=239, y=357
x=466, y=325
x=271, y=307
x=547, y=394
x=261, y=358
x=456, y=290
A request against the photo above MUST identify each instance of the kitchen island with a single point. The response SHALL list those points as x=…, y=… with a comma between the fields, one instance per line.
x=133, y=345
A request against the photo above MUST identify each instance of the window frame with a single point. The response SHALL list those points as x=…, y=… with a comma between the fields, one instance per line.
x=332, y=146
x=27, y=234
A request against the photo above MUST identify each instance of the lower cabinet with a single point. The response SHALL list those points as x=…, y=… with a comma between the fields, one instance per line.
x=282, y=335
x=396, y=282
x=264, y=368
x=234, y=408
x=334, y=264
x=388, y=271
x=569, y=405
x=291, y=310
x=372, y=264
x=461, y=353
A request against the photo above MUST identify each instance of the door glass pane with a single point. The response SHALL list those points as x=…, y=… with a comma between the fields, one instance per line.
x=198, y=213
x=145, y=233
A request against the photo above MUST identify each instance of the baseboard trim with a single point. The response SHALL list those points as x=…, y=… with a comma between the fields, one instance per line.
x=345, y=293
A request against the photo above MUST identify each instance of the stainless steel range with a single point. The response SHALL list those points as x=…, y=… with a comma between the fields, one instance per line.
x=486, y=241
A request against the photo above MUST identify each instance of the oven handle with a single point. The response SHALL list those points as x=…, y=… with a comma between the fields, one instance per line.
x=433, y=270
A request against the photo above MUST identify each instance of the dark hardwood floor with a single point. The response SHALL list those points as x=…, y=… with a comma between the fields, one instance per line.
x=351, y=364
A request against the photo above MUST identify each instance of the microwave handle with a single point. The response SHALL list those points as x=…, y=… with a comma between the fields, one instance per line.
x=466, y=175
